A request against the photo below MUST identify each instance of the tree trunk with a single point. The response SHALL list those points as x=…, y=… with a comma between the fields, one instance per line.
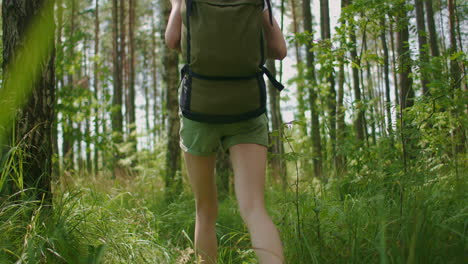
x=131, y=78
x=359, y=114
x=432, y=29
x=96, y=87
x=116, y=114
x=458, y=135
x=404, y=59
x=28, y=92
x=157, y=119
x=312, y=83
x=340, y=160
x=171, y=79
x=58, y=85
x=223, y=173
x=278, y=164
x=331, y=100
x=301, y=108
x=422, y=42
x=386, y=77
x=394, y=64
x=67, y=124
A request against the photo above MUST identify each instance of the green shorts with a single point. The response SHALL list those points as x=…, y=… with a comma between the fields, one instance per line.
x=203, y=139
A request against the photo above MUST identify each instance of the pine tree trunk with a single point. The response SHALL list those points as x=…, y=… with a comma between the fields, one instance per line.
x=67, y=124
x=458, y=135
x=28, y=72
x=278, y=164
x=422, y=42
x=157, y=119
x=404, y=59
x=131, y=77
x=432, y=29
x=300, y=95
x=340, y=160
x=359, y=115
x=394, y=65
x=386, y=77
x=331, y=100
x=96, y=87
x=58, y=85
x=116, y=115
x=171, y=79
x=223, y=173
x=312, y=83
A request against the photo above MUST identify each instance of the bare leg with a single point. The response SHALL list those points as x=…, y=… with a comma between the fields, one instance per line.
x=201, y=175
x=249, y=164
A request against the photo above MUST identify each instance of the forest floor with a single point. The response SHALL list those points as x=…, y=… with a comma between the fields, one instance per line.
x=104, y=220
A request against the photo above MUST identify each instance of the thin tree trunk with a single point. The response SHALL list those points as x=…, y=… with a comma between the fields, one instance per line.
x=96, y=86
x=124, y=67
x=422, y=42
x=171, y=79
x=394, y=64
x=386, y=77
x=116, y=115
x=59, y=84
x=131, y=77
x=432, y=28
x=331, y=100
x=370, y=92
x=144, y=83
x=312, y=83
x=458, y=135
x=301, y=108
x=29, y=64
x=359, y=117
x=67, y=125
x=277, y=148
x=404, y=59
x=154, y=71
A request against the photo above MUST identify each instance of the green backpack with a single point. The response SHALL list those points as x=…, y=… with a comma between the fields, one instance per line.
x=223, y=44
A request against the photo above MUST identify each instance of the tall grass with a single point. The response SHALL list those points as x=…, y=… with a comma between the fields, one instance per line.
x=376, y=213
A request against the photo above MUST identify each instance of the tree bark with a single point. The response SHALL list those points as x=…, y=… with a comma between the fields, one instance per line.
x=359, y=114
x=331, y=100
x=340, y=159
x=29, y=74
x=116, y=114
x=301, y=108
x=131, y=78
x=312, y=83
x=67, y=124
x=394, y=64
x=386, y=67
x=277, y=148
x=422, y=43
x=432, y=28
x=157, y=119
x=96, y=86
x=170, y=75
x=404, y=59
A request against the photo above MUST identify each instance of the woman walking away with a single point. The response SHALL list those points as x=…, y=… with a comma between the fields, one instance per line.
x=223, y=101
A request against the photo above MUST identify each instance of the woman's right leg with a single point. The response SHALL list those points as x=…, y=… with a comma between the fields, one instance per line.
x=201, y=175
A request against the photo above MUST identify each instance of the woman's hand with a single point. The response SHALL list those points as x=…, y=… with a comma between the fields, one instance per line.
x=174, y=26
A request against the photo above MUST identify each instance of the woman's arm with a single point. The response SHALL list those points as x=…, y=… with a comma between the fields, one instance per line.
x=174, y=26
x=276, y=45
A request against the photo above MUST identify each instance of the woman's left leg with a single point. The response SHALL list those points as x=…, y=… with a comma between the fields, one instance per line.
x=249, y=164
